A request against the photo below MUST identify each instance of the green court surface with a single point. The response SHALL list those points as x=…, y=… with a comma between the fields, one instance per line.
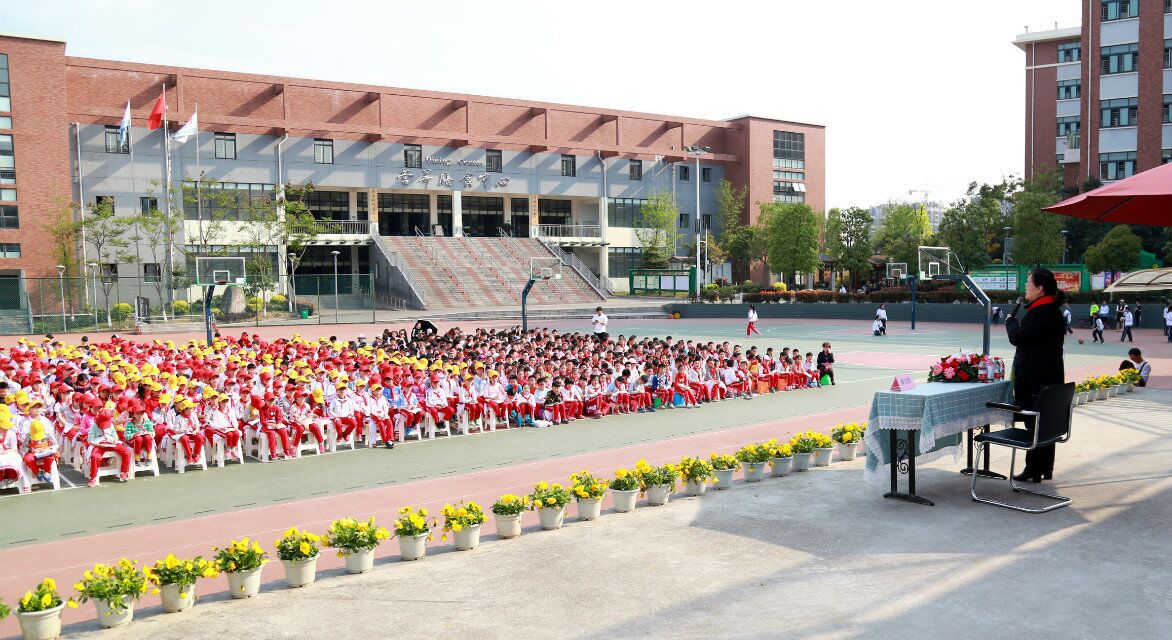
x=53, y=515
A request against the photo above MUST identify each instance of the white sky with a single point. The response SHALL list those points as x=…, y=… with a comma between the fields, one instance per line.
x=916, y=94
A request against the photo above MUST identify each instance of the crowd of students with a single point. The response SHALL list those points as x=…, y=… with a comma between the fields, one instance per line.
x=131, y=401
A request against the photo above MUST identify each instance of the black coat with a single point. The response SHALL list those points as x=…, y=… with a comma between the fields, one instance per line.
x=1038, y=337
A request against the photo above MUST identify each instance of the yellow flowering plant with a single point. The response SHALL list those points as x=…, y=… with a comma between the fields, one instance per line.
x=42, y=598
x=754, y=453
x=807, y=441
x=586, y=486
x=624, y=480
x=1128, y=376
x=548, y=496
x=114, y=584
x=462, y=515
x=849, y=432
x=724, y=462
x=695, y=469
x=780, y=450
x=510, y=505
x=239, y=556
x=172, y=570
x=297, y=545
x=650, y=476
x=413, y=522
x=350, y=535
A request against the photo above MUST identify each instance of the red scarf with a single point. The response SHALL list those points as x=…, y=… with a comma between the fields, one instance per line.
x=1040, y=301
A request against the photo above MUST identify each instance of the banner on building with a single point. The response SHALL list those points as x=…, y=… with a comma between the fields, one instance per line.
x=1069, y=280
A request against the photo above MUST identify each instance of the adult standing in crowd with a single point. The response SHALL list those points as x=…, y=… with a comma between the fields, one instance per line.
x=599, y=323
x=1038, y=360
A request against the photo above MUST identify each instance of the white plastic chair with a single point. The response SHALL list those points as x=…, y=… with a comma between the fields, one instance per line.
x=216, y=451
x=332, y=434
x=151, y=466
x=176, y=457
x=111, y=464
x=308, y=443
x=29, y=479
x=401, y=427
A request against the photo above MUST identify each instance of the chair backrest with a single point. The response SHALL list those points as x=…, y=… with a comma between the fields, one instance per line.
x=1054, y=410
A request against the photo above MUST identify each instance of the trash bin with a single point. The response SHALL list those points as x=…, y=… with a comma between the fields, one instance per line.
x=304, y=313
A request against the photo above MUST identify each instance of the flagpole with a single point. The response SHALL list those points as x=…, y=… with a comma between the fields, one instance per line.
x=198, y=179
x=167, y=186
x=134, y=190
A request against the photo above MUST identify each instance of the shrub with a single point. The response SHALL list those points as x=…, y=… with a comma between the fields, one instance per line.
x=121, y=312
x=180, y=307
x=779, y=286
x=278, y=299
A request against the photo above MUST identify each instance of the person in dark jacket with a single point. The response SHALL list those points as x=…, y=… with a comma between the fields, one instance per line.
x=1037, y=362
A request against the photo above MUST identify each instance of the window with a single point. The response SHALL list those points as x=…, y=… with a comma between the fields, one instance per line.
x=1067, y=125
x=635, y=170
x=152, y=272
x=569, y=166
x=622, y=260
x=684, y=218
x=683, y=172
x=226, y=146
x=9, y=218
x=519, y=207
x=1120, y=112
x=550, y=211
x=108, y=271
x=9, y=250
x=1167, y=6
x=7, y=160
x=493, y=162
x=323, y=151
x=1070, y=52
x=443, y=209
x=412, y=156
x=363, y=206
x=483, y=215
x=5, y=122
x=399, y=214
x=146, y=204
x=1069, y=89
x=1116, y=166
x=1121, y=58
x=705, y=174
x=788, y=192
x=8, y=195
x=328, y=205
x=789, y=150
x=5, y=100
x=1165, y=156
x=225, y=200
x=1120, y=9
x=114, y=144
x=105, y=201
x=1168, y=53
x=624, y=212
x=788, y=175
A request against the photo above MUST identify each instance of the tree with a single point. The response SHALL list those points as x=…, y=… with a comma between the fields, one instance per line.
x=973, y=226
x=1037, y=237
x=848, y=239
x=106, y=234
x=730, y=205
x=744, y=245
x=157, y=230
x=711, y=255
x=791, y=232
x=1118, y=251
x=278, y=219
x=659, y=233
x=905, y=228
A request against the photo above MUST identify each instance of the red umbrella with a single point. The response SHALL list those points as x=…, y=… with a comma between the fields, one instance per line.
x=1145, y=198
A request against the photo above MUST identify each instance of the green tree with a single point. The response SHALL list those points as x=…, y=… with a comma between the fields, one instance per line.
x=659, y=233
x=106, y=238
x=745, y=245
x=906, y=227
x=730, y=205
x=848, y=240
x=157, y=229
x=791, y=237
x=711, y=255
x=1118, y=251
x=1037, y=237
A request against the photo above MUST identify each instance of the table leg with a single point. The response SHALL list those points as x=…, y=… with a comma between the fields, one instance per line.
x=982, y=472
x=903, y=460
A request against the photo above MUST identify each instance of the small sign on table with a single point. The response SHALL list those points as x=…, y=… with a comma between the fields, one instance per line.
x=903, y=382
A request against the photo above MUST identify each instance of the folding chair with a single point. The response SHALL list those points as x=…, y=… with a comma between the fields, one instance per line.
x=1048, y=423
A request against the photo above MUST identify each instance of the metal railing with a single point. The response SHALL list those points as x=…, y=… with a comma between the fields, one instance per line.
x=345, y=227
x=600, y=285
x=569, y=231
x=395, y=260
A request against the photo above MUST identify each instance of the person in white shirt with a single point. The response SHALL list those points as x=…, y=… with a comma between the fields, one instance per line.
x=1066, y=317
x=599, y=322
x=752, y=328
x=1141, y=365
x=877, y=326
x=1168, y=321
x=1128, y=322
x=1097, y=330
x=881, y=316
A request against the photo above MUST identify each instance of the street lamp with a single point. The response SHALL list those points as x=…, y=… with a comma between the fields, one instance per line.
x=292, y=282
x=336, y=307
x=1064, y=232
x=61, y=281
x=93, y=266
x=696, y=151
x=1005, y=256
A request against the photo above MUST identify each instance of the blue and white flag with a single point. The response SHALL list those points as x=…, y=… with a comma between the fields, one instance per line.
x=124, y=126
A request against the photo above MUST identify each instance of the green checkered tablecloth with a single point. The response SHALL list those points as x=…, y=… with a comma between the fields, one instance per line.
x=938, y=412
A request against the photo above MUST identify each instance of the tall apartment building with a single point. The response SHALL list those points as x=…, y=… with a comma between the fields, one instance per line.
x=385, y=161
x=1098, y=96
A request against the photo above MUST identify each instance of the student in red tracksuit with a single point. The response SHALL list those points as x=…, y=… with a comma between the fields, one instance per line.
x=103, y=438
x=40, y=441
x=302, y=419
x=379, y=411
x=342, y=412
x=272, y=424
x=186, y=430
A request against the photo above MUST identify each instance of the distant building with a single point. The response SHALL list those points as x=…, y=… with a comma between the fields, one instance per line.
x=935, y=214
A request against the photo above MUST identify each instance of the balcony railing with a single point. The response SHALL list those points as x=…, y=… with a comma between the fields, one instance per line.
x=345, y=227
x=553, y=231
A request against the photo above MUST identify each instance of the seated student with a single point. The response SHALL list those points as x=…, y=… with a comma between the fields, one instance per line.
x=638, y=396
x=185, y=430
x=877, y=327
x=302, y=419
x=573, y=398
x=1136, y=360
x=554, y=403
x=595, y=398
x=139, y=433
x=812, y=370
x=526, y=404
x=274, y=428
x=468, y=402
x=734, y=379
x=104, y=438
x=379, y=411
x=40, y=441
x=11, y=461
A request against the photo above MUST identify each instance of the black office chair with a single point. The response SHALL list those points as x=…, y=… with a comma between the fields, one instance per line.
x=1052, y=415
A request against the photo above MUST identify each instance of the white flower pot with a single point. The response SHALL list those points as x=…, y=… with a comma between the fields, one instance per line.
x=754, y=471
x=1101, y=394
x=1081, y=397
x=723, y=478
x=467, y=538
x=822, y=456
x=108, y=618
x=551, y=517
x=847, y=450
x=801, y=461
x=359, y=561
x=589, y=508
x=299, y=573
x=176, y=598
x=781, y=466
x=624, y=501
x=508, y=526
x=413, y=547
x=244, y=584
x=658, y=494
x=695, y=487
x=1129, y=387
x=41, y=625
x=1112, y=391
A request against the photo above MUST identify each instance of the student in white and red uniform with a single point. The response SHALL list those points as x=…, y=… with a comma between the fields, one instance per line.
x=220, y=424
x=40, y=443
x=186, y=431
x=104, y=438
x=379, y=409
x=438, y=404
x=272, y=425
x=342, y=412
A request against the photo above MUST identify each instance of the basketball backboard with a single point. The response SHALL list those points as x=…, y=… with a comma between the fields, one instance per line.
x=937, y=261
x=545, y=269
x=218, y=270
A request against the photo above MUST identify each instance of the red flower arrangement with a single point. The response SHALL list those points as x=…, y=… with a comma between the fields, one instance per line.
x=955, y=368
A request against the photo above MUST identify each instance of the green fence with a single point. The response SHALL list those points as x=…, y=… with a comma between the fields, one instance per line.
x=662, y=281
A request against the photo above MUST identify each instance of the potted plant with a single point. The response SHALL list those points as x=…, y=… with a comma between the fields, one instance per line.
x=658, y=482
x=723, y=467
x=507, y=512
x=176, y=580
x=1129, y=378
x=697, y=473
x=588, y=491
x=550, y=501
x=243, y=562
x=847, y=435
x=1105, y=387
x=753, y=456
x=299, y=551
x=4, y=610
x=803, y=445
x=114, y=589
x=464, y=521
x=414, y=530
x=781, y=458
x=1080, y=393
x=625, y=489
x=355, y=541
x=824, y=449
x=39, y=611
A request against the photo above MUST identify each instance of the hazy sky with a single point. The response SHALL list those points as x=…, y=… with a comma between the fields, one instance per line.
x=915, y=94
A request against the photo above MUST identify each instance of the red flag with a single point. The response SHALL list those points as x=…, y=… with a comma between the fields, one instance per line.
x=156, y=119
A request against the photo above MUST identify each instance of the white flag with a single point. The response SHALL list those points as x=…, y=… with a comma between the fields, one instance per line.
x=187, y=130
x=124, y=126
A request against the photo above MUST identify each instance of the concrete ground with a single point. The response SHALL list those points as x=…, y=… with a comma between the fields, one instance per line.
x=814, y=555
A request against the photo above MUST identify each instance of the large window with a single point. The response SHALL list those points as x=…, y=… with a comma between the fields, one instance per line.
x=519, y=207
x=114, y=144
x=10, y=250
x=635, y=170
x=5, y=100
x=1165, y=154
x=399, y=214
x=705, y=174
x=789, y=175
x=684, y=172
x=1120, y=9
x=569, y=166
x=1121, y=58
x=105, y=202
x=443, y=209
x=7, y=195
x=5, y=122
x=152, y=272
x=224, y=200
x=624, y=212
x=9, y=218
x=788, y=192
x=226, y=146
x=622, y=260
x=147, y=204
x=789, y=150
x=1167, y=109
x=550, y=211
x=493, y=162
x=1067, y=125
x=412, y=156
x=1070, y=52
x=7, y=160
x=1116, y=166
x=1120, y=112
x=482, y=215
x=329, y=205
x=1069, y=89
x=323, y=151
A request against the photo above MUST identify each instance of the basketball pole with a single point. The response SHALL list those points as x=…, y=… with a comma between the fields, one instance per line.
x=524, y=303
x=209, y=291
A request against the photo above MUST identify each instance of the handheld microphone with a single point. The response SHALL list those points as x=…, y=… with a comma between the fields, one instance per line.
x=1017, y=306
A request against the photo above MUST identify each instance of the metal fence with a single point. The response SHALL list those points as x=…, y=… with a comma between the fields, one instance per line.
x=47, y=305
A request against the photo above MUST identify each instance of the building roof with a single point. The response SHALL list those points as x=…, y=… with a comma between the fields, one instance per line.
x=749, y=115
x=30, y=36
x=1050, y=35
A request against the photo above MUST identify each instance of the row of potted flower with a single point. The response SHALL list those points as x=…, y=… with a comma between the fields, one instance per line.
x=1102, y=387
x=115, y=588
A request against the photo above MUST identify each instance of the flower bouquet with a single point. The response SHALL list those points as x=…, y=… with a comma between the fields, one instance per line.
x=959, y=367
x=588, y=491
x=464, y=521
x=176, y=580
